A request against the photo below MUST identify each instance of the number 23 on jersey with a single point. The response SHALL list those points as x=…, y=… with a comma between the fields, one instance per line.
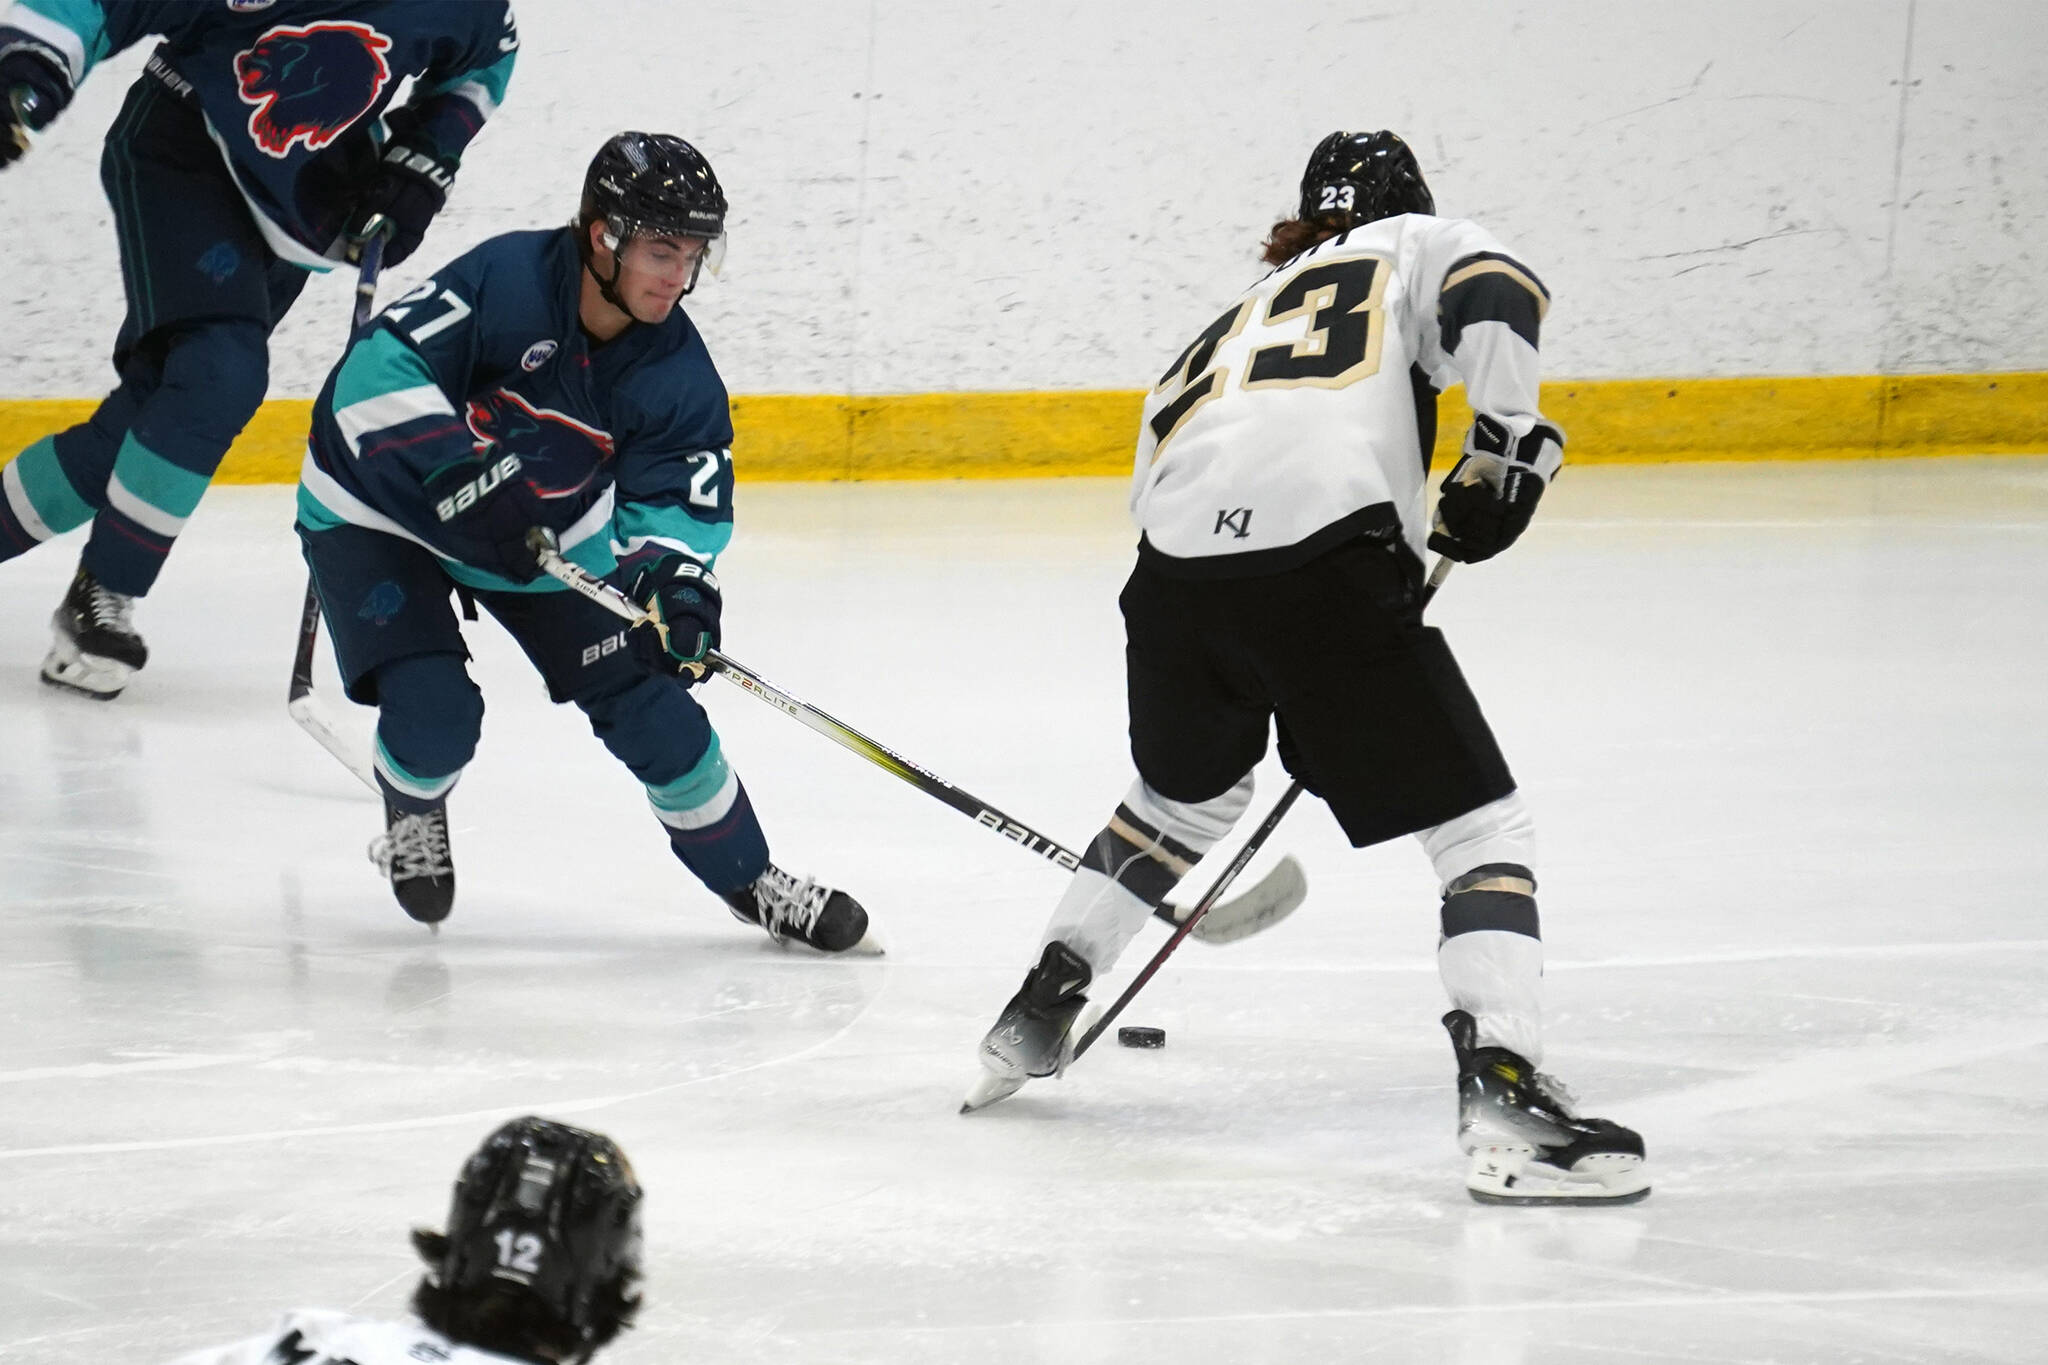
x=1342, y=301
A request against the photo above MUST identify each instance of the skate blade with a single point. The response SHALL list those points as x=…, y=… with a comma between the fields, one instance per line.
x=85, y=674
x=989, y=1089
x=1512, y=1175
x=869, y=946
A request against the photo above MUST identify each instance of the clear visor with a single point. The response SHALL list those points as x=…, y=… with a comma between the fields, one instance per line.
x=671, y=257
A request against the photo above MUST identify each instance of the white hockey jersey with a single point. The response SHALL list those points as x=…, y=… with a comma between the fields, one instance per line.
x=318, y=1337
x=1304, y=415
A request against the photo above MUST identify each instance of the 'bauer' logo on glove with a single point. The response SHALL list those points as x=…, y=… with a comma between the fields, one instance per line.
x=683, y=597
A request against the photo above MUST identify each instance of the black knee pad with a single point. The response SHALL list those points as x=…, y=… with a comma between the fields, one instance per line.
x=1492, y=897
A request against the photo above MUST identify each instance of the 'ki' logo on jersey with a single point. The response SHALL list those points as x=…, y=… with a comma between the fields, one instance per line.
x=310, y=84
x=559, y=456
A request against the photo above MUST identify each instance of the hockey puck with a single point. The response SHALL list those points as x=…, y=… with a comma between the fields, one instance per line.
x=1139, y=1035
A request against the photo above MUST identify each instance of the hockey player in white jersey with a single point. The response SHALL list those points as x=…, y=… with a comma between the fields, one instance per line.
x=540, y=1263
x=1279, y=491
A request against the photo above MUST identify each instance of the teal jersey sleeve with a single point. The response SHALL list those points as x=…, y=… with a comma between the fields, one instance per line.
x=86, y=32
x=675, y=477
x=455, y=97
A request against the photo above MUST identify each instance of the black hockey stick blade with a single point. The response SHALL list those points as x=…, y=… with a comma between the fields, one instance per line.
x=1275, y=896
x=1202, y=908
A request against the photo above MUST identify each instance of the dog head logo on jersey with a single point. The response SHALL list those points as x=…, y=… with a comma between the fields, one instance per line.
x=559, y=456
x=310, y=84
x=382, y=603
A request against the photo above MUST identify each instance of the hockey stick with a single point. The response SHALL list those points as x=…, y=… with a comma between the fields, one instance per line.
x=308, y=710
x=1222, y=883
x=1271, y=901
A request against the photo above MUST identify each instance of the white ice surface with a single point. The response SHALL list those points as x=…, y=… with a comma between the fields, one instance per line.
x=1782, y=729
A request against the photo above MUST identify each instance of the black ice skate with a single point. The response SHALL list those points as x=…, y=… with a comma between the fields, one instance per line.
x=1033, y=1036
x=96, y=649
x=804, y=911
x=413, y=851
x=1527, y=1145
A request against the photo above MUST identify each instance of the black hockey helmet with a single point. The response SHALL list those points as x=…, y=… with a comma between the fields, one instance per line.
x=548, y=1216
x=1362, y=177
x=653, y=183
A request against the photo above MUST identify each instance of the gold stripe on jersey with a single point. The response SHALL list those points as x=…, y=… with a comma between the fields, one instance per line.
x=1492, y=266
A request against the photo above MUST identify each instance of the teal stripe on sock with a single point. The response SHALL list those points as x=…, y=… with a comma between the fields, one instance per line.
x=48, y=490
x=425, y=788
x=170, y=489
x=694, y=788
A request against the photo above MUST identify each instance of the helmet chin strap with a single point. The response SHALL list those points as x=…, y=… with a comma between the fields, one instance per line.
x=608, y=289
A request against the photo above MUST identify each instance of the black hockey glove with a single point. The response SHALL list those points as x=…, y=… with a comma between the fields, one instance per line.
x=35, y=86
x=485, y=511
x=410, y=187
x=683, y=595
x=1491, y=493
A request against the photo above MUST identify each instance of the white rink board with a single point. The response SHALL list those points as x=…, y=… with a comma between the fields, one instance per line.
x=1781, y=729
x=930, y=196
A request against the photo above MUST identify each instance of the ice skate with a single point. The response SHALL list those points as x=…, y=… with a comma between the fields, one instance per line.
x=1034, y=1035
x=413, y=851
x=800, y=910
x=96, y=649
x=1526, y=1143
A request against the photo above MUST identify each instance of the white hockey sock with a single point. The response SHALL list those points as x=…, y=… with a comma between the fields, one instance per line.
x=1497, y=978
x=1144, y=851
x=1490, y=957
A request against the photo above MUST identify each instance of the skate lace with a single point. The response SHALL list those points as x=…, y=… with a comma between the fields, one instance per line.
x=111, y=610
x=415, y=846
x=789, y=905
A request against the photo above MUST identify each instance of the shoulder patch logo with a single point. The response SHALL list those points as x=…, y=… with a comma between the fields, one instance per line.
x=249, y=6
x=310, y=84
x=537, y=355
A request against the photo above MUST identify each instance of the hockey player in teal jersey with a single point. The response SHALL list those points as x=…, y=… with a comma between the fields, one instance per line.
x=547, y=379
x=258, y=139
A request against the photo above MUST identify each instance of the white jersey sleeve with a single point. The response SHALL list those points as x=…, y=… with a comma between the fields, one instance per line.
x=318, y=1337
x=1305, y=414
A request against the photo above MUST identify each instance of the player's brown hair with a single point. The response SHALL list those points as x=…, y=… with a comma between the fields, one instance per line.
x=512, y=1324
x=1292, y=236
